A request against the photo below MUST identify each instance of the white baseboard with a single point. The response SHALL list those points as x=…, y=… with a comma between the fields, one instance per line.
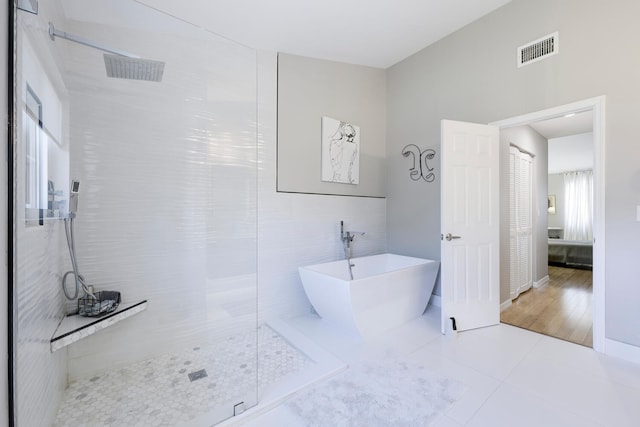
x=540, y=283
x=435, y=301
x=505, y=305
x=621, y=350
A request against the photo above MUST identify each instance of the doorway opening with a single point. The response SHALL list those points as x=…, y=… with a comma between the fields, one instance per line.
x=567, y=297
x=559, y=305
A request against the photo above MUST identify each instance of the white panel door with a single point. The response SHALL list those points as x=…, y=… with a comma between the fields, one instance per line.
x=470, y=225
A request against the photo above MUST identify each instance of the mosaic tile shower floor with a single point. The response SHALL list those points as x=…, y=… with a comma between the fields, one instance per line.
x=160, y=392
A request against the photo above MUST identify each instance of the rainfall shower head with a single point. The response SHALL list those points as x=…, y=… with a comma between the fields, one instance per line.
x=118, y=64
x=122, y=67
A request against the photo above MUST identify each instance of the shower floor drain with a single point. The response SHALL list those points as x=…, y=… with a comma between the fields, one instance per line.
x=197, y=375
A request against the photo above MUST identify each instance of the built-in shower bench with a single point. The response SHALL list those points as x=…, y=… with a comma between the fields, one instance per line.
x=75, y=327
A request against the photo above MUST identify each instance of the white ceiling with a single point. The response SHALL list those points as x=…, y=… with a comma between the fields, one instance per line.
x=571, y=153
x=565, y=126
x=377, y=33
x=570, y=141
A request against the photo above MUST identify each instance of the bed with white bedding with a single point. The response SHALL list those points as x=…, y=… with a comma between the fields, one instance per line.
x=571, y=253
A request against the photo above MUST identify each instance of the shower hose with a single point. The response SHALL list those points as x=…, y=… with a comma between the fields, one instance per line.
x=79, y=280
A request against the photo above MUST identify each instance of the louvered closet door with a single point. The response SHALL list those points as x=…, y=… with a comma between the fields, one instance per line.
x=514, y=179
x=525, y=231
x=520, y=222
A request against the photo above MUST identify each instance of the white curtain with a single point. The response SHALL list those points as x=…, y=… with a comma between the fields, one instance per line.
x=578, y=205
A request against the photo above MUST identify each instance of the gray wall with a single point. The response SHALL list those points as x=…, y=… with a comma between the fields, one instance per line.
x=472, y=76
x=311, y=88
x=4, y=113
x=532, y=142
x=556, y=187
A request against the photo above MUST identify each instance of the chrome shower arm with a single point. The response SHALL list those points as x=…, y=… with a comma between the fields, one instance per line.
x=53, y=33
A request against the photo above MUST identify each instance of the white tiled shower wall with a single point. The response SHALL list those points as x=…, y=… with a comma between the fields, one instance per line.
x=41, y=375
x=167, y=205
x=39, y=249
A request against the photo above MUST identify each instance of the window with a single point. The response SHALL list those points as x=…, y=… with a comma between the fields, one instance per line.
x=35, y=164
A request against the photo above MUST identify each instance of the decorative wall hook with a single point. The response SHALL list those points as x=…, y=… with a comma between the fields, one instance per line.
x=420, y=168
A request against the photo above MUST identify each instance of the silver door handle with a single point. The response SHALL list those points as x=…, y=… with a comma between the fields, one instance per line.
x=449, y=237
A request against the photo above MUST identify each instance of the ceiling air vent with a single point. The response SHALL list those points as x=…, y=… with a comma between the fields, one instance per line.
x=539, y=49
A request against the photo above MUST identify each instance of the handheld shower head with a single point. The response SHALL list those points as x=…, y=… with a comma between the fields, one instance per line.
x=73, y=198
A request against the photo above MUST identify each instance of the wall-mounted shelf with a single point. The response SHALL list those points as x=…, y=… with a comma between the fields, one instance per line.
x=74, y=328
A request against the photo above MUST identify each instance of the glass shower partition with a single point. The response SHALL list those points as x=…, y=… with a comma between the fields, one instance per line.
x=166, y=215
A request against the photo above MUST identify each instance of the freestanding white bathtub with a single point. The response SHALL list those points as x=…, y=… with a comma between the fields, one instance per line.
x=386, y=291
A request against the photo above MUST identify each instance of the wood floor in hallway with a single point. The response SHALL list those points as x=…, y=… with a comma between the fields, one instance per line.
x=562, y=308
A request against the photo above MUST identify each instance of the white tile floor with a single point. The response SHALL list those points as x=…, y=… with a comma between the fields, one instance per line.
x=160, y=391
x=513, y=377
